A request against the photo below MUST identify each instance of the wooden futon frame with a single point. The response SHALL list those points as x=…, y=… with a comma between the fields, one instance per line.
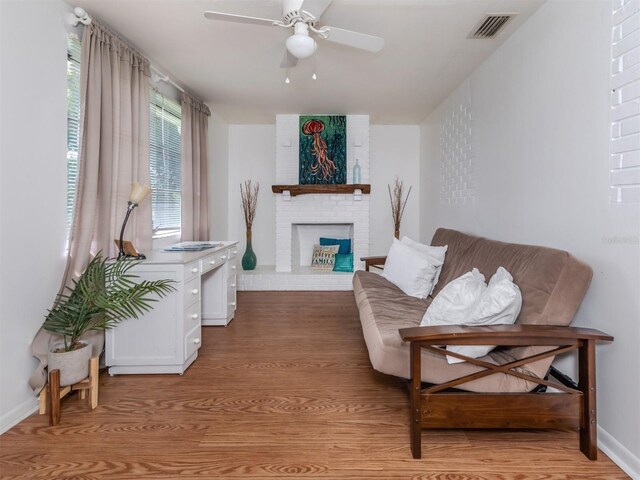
x=442, y=406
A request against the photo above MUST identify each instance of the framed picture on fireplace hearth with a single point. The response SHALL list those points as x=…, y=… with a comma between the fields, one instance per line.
x=323, y=149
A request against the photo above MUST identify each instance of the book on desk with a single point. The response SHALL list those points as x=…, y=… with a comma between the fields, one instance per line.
x=192, y=246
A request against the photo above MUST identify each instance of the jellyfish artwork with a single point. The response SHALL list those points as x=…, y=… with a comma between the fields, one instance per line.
x=324, y=165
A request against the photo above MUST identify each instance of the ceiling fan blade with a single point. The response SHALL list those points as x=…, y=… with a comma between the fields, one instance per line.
x=354, y=39
x=232, y=17
x=315, y=8
x=288, y=60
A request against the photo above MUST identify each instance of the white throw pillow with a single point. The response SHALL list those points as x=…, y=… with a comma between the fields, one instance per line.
x=500, y=304
x=455, y=302
x=436, y=253
x=409, y=270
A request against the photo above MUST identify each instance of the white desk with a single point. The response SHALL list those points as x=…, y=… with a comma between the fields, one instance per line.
x=167, y=339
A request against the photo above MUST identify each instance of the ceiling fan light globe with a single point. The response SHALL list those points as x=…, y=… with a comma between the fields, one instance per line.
x=301, y=46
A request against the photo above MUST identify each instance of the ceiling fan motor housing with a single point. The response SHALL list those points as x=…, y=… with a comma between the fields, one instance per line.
x=291, y=10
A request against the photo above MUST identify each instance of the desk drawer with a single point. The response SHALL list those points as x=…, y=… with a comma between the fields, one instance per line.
x=191, y=271
x=233, y=268
x=192, y=342
x=213, y=261
x=233, y=252
x=191, y=292
x=191, y=317
x=231, y=307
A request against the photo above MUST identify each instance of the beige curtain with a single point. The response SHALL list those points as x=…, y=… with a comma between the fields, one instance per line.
x=114, y=152
x=195, y=208
x=114, y=149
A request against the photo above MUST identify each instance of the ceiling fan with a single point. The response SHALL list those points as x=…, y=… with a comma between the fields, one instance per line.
x=303, y=16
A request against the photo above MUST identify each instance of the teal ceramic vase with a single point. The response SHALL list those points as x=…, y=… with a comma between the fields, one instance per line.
x=249, y=260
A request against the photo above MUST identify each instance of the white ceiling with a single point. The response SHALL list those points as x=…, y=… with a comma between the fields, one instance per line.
x=235, y=67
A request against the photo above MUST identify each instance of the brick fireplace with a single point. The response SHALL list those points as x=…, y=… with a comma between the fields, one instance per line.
x=322, y=209
x=302, y=219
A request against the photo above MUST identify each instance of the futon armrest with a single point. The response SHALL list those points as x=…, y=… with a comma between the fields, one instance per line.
x=377, y=262
x=502, y=335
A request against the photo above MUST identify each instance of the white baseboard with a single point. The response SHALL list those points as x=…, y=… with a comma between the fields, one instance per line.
x=617, y=452
x=19, y=413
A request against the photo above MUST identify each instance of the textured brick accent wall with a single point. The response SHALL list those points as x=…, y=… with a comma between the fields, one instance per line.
x=320, y=209
x=625, y=102
x=457, y=177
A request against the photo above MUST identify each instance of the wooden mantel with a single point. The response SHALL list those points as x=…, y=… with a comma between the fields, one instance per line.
x=316, y=189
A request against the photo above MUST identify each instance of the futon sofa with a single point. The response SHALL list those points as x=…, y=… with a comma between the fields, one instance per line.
x=553, y=284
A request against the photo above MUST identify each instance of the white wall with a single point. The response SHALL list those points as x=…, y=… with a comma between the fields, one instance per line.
x=218, y=173
x=32, y=187
x=252, y=156
x=395, y=151
x=540, y=115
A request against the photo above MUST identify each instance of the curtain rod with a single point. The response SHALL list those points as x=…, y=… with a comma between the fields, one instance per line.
x=158, y=76
x=80, y=15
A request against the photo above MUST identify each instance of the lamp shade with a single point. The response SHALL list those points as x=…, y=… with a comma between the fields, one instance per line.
x=139, y=192
x=300, y=44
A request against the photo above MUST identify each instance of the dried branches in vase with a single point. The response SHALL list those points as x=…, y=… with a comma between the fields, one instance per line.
x=398, y=203
x=249, y=197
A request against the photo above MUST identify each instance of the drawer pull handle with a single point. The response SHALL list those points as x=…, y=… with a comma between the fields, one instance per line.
x=223, y=257
x=233, y=304
x=195, y=316
x=196, y=341
x=194, y=291
x=212, y=262
x=233, y=285
x=233, y=267
x=194, y=270
x=235, y=252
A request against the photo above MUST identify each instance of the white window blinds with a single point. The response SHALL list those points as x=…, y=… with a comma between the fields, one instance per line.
x=625, y=106
x=73, y=122
x=165, y=169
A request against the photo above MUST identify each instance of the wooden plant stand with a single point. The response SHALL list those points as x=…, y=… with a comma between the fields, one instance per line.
x=52, y=393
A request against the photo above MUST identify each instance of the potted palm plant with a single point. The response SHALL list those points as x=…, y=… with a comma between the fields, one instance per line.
x=104, y=295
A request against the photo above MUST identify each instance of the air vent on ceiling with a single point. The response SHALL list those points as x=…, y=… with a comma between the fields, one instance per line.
x=490, y=25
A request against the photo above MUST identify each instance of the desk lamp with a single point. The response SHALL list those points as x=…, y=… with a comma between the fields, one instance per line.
x=138, y=193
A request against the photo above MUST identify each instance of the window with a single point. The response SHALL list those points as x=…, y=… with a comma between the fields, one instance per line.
x=73, y=123
x=164, y=159
x=625, y=103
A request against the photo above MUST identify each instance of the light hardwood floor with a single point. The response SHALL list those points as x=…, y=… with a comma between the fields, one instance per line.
x=285, y=391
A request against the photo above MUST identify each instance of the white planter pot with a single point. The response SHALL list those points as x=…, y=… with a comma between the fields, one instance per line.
x=73, y=366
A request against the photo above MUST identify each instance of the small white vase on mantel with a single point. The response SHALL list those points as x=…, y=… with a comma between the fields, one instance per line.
x=356, y=173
